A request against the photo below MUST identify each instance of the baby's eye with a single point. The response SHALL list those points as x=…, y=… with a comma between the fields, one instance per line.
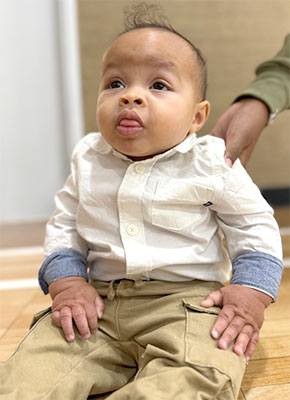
x=116, y=85
x=159, y=86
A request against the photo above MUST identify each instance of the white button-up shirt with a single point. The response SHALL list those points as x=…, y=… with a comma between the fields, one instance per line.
x=160, y=218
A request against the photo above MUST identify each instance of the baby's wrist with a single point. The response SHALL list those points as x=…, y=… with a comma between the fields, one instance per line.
x=62, y=284
x=263, y=297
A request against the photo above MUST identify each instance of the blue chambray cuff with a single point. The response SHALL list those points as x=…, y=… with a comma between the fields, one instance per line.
x=259, y=271
x=60, y=264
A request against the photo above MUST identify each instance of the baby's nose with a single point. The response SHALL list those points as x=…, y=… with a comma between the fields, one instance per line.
x=132, y=97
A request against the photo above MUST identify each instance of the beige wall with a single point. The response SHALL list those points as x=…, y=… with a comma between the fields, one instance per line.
x=234, y=35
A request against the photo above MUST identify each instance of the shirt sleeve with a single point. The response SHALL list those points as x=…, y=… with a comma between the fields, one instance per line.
x=61, y=229
x=272, y=81
x=259, y=271
x=251, y=231
x=61, y=264
x=65, y=250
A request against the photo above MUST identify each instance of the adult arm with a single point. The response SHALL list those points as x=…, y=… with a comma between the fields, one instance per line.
x=269, y=94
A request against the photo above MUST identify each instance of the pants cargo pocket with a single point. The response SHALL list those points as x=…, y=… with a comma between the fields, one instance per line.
x=38, y=316
x=222, y=369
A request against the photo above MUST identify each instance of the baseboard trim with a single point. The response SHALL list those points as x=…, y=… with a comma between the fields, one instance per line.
x=277, y=196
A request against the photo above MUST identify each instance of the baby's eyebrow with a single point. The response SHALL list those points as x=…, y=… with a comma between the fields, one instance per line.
x=154, y=62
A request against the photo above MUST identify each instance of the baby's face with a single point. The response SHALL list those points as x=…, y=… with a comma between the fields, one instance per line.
x=147, y=100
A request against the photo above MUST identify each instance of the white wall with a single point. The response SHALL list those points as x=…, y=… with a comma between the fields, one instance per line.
x=40, y=104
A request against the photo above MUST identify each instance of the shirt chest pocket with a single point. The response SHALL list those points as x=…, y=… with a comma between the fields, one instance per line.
x=177, y=205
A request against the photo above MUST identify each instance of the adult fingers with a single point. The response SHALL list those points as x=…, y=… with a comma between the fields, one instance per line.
x=234, y=148
x=246, y=154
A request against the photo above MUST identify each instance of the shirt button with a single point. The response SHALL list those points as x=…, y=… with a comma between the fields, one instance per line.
x=139, y=168
x=132, y=229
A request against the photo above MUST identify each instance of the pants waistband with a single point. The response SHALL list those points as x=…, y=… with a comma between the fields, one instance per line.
x=130, y=288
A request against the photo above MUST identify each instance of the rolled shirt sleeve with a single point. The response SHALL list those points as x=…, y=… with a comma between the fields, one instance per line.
x=61, y=264
x=259, y=271
x=251, y=232
x=65, y=250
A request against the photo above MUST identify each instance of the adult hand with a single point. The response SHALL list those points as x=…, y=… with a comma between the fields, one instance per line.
x=240, y=319
x=75, y=300
x=240, y=126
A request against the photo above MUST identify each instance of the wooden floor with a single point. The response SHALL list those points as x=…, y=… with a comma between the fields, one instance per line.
x=267, y=376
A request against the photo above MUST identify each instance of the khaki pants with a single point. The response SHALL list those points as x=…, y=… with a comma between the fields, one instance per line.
x=153, y=343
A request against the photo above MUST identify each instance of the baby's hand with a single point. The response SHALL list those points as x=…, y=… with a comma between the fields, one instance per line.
x=240, y=319
x=74, y=300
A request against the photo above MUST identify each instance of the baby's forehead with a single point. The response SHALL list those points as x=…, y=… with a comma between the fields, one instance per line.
x=154, y=46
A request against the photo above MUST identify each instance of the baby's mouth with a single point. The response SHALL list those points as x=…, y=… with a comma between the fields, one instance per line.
x=129, y=123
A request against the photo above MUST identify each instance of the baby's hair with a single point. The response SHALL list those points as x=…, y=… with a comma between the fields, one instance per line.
x=143, y=15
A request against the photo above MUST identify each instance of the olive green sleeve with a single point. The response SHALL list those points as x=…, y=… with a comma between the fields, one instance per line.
x=272, y=83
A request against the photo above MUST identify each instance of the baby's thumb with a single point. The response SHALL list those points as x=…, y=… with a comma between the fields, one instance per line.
x=213, y=299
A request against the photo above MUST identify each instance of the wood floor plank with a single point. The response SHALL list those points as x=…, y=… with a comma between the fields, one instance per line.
x=271, y=347
x=271, y=392
x=38, y=302
x=279, y=310
x=273, y=371
x=19, y=327
x=279, y=327
x=20, y=271
x=241, y=396
x=12, y=303
x=20, y=265
x=2, y=332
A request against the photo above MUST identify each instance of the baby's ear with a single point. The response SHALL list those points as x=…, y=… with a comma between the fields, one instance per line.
x=201, y=114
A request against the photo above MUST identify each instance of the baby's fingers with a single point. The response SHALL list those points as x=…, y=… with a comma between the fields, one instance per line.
x=252, y=346
x=243, y=340
x=63, y=319
x=56, y=318
x=99, y=304
x=81, y=321
x=229, y=325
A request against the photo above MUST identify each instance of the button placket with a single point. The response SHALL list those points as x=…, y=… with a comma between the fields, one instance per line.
x=131, y=219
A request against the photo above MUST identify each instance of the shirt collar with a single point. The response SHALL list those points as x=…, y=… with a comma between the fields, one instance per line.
x=102, y=147
x=186, y=144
